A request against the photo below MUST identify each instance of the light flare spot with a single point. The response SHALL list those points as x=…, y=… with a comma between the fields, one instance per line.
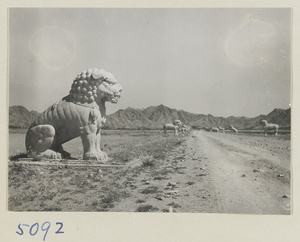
x=54, y=46
x=246, y=45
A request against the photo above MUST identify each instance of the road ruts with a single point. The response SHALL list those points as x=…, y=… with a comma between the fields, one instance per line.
x=243, y=178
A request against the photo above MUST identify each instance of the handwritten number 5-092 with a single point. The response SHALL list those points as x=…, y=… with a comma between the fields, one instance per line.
x=33, y=229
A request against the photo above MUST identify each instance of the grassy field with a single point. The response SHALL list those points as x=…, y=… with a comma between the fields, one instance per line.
x=109, y=138
x=282, y=132
x=66, y=188
x=112, y=141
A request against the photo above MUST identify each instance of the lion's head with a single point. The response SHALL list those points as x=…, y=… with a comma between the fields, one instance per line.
x=94, y=85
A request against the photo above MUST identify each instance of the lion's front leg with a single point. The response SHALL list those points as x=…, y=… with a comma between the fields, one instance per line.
x=98, y=147
x=89, y=142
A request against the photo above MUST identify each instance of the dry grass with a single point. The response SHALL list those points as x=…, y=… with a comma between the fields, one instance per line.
x=66, y=188
x=146, y=208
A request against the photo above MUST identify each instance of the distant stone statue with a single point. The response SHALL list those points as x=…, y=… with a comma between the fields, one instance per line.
x=268, y=127
x=207, y=128
x=174, y=126
x=184, y=129
x=81, y=113
x=233, y=129
x=214, y=129
x=221, y=129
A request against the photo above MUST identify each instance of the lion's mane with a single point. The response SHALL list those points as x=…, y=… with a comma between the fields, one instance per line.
x=84, y=87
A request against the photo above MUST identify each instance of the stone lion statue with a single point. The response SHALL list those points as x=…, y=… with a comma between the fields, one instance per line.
x=81, y=113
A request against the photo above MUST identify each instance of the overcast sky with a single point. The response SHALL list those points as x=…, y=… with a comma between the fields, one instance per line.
x=224, y=62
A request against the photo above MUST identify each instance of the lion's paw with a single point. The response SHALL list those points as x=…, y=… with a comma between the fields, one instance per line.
x=99, y=156
x=103, y=156
x=48, y=154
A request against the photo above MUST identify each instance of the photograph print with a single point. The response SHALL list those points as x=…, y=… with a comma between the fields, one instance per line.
x=160, y=110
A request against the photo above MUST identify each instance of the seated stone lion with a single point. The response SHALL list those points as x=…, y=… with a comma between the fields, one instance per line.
x=81, y=113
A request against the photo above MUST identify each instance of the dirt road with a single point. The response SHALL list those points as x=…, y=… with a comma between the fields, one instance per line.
x=222, y=173
x=245, y=176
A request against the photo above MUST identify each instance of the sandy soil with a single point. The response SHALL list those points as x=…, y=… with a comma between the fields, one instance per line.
x=197, y=172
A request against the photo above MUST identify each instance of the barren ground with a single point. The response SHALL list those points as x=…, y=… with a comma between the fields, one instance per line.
x=201, y=172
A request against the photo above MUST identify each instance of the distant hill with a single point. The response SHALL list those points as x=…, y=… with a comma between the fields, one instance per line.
x=20, y=117
x=155, y=116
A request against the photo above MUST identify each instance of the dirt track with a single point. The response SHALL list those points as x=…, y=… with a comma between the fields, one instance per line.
x=245, y=177
x=223, y=173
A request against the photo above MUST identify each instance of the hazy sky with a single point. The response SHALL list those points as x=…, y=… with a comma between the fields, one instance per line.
x=224, y=62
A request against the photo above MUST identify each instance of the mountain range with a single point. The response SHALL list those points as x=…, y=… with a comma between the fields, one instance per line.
x=155, y=116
